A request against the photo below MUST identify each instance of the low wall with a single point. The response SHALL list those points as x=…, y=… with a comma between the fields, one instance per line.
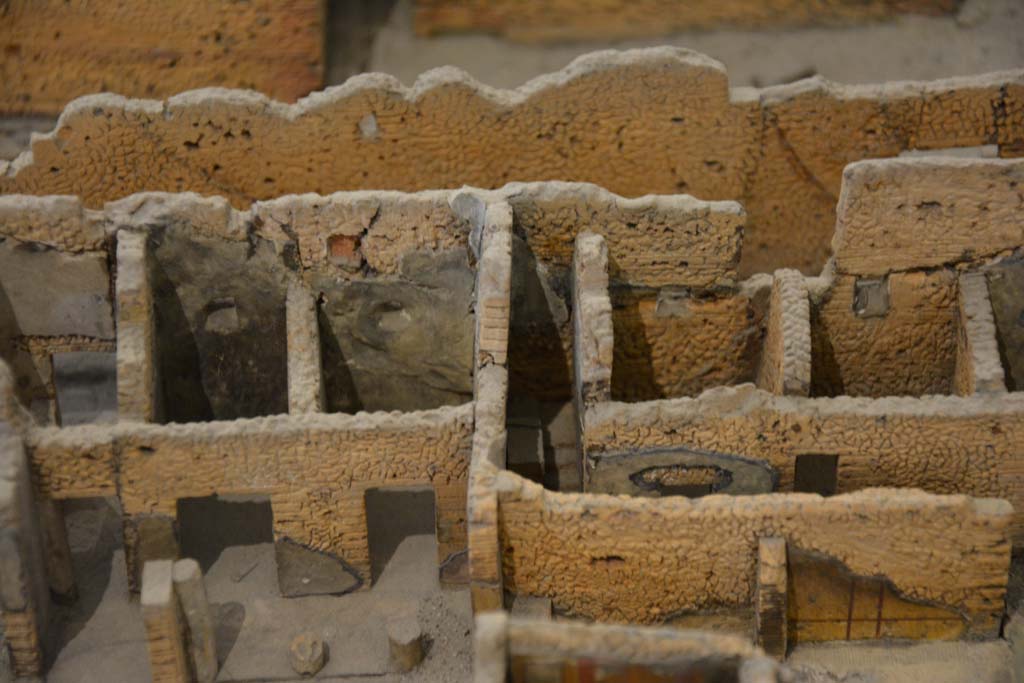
x=644, y=561
x=315, y=468
x=939, y=444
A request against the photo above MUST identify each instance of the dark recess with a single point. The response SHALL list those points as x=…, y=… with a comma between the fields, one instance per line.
x=816, y=474
x=393, y=514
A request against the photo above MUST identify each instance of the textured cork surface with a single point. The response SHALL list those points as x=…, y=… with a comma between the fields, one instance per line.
x=779, y=151
x=55, y=51
x=314, y=467
x=899, y=214
x=607, y=558
x=908, y=351
x=671, y=343
x=588, y=20
x=940, y=444
x=786, y=359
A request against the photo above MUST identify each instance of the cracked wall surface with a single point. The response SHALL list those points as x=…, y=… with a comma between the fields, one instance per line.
x=55, y=51
x=586, y=20
x=659, y=120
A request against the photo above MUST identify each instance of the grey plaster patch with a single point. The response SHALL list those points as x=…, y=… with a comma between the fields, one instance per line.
x=53, y=293
x=672, y=303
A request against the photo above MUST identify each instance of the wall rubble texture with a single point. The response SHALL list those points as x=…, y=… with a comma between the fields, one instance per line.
x=779, y=151
x=55, y=51
x=589, y=20
x=607, y=558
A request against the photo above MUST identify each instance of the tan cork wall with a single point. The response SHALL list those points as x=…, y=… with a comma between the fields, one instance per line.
x=779, y=151
x=910, y=350
x=315, y=468
x=785, y=367
x=654, y=242
x=56, y=51
x=593, y=20
x=669, y=346
x=608, y=558
x=974, y=442
x=907, y=227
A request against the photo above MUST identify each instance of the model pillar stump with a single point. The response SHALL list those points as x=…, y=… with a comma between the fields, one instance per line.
x=191, y=592
x=405, y=640
x=770, y=598
x=165, y=630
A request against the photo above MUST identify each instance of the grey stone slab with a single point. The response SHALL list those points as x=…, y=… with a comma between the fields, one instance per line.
x=302, y=571
x=51, y=293
x=86, y=384
x=220, y=324
x=399, y=343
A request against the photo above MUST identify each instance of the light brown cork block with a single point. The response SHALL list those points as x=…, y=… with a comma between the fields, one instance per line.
x=56, y=51
x=535, y=21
